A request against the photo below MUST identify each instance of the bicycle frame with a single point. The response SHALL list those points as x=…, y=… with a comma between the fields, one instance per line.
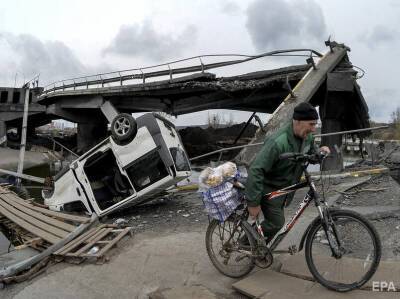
x=311, y=195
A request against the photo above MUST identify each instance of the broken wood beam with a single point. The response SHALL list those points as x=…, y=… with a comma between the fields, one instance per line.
x=113, y=241
x=18, y=267
x=59, y=215
x=54, y=222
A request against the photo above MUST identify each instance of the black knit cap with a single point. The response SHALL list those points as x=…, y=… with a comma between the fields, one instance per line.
x=305, y=111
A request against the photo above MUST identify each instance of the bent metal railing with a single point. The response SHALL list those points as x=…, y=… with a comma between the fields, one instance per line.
x=143, y=73
x=220, y=151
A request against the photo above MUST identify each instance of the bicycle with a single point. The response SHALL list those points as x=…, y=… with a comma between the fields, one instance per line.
x=333, y=238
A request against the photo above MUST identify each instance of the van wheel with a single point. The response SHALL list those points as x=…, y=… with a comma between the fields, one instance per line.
x=123, y=128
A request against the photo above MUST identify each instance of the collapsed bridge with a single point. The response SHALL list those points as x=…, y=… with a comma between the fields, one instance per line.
x=327, y=81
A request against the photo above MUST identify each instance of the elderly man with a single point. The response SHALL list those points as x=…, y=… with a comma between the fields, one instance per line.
x=268, y=173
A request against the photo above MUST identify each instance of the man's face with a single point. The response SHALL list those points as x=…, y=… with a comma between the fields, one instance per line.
x=302, y=128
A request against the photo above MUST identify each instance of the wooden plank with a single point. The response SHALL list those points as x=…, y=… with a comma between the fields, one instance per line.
x=86, y=240
x=113, y=241
x=33, y=229
x=46, y=227
x=44, y=218
x=94, y=237
x=76, y=242
x=102, y=242
x=89, y=240
x=80, y=219
x=104, y=233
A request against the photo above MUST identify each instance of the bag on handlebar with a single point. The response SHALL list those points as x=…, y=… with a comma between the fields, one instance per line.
x=217, y=186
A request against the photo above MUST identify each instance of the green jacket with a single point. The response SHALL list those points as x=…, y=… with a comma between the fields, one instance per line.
x=268, y=173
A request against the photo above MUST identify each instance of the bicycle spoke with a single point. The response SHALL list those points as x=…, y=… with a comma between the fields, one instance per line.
x=345, y=255
x=223, y=248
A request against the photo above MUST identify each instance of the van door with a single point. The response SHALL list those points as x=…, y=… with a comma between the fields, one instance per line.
x=105, y=183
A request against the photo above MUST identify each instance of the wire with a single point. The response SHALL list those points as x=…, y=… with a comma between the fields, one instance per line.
x=363, y=72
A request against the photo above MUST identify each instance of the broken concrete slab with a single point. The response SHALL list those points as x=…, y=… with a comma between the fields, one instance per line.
x=268, y=284
x=184, y=292
x=296, y=266
x=302, y=92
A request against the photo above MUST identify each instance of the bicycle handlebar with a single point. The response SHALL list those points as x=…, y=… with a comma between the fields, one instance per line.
x=299, y=157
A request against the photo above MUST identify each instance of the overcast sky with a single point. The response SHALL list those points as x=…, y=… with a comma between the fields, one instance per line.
x=62, y=39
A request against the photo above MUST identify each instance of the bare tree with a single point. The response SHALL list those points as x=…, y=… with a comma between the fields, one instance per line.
x=396, y=123
x=214, y=120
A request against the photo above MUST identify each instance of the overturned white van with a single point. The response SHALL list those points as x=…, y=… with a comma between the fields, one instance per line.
x=143, y=157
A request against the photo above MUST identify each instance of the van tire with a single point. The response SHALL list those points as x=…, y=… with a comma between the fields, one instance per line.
x=123, y=128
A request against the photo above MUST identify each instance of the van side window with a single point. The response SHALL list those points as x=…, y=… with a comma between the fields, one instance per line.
x=147, y=170
x=180, y=159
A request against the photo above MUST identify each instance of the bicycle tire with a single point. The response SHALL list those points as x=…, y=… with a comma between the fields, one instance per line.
x=355, y=251
x=234, y=270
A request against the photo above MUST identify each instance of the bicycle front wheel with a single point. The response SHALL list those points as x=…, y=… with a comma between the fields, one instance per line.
x=344, y=255
x=230, y=246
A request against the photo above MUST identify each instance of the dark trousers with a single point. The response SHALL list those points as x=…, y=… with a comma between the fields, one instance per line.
x=274, y=215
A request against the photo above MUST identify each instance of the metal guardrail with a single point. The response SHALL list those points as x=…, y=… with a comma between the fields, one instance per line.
x=71, y=156
x=260, y=143
x=59, y=144
x=140, y=74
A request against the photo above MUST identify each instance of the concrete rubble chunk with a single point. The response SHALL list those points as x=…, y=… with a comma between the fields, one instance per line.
x=387, y=271
x=185, y=292
x=267, y=284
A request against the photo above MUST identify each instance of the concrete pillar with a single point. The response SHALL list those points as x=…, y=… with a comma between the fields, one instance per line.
x=3, y=132
x=335, y=160
x=89, y=134
x=10, y=95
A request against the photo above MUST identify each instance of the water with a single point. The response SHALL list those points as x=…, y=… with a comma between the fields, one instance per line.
x=4, y=244
x=35, y=189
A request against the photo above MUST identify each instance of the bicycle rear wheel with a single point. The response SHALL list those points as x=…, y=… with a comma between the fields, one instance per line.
x=229, y=246
x=356, y=244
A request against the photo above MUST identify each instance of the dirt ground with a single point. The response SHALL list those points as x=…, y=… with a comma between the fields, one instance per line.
x=173, y=214
x=379, y=192
x=378, y=199
x=175, y=227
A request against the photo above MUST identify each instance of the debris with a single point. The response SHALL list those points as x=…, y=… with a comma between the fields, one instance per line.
x=93, y=250
x=185, y=215
x=120, y=221
x=362, y=190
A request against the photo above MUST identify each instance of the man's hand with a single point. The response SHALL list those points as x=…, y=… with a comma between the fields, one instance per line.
x=254, y=211
x=325, y=149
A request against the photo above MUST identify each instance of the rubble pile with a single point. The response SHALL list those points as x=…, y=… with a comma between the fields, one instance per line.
x=388, y=153
x=198, y=141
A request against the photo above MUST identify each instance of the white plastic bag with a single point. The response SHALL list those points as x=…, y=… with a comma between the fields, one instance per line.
x=219, y=195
